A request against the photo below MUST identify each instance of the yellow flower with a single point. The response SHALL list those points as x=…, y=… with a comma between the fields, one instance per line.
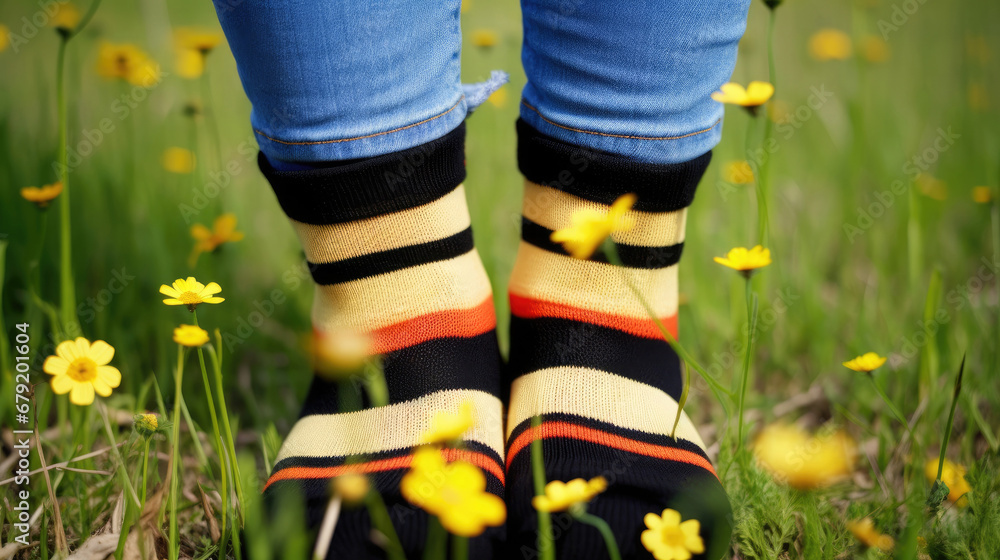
x=178, y=160
x=191, y=293
x=43, y=195
x=591, y=227
x=66, y=18
x=932, y=187
x=874, y=49
x=498, y=98
x=746, y=260
x=864, y=530
x=982, y=195
x=830, y=44
x=190, y=336
x=223, y=231
x=755, y=95
x=560, y=496
x=977, y=48
x=454, y=492
x=738, y=172
x=146, y=424
x=448, y=426
x=189, y=64
x=485, y=38
x=4, y=37
x=953, y=475
x=339, y=353
x=197, y=39
x=670, y=539
x=979, y=99
x=127, y=62
x=865, y=363
x=81, y=369
x=804, y=461
x=352, y=488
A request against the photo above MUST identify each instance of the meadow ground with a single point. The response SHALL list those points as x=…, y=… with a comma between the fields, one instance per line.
x=880, y=175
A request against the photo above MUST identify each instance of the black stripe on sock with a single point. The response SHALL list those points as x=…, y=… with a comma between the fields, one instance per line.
x=603, y=177
x=383, y=262
x=436, y=365
x=547, y=342
x=373, y=186
x=632, y=256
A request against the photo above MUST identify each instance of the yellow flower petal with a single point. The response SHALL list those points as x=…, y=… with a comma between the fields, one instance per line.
x=55, y=365
x=82, y=394
x=61, y=384
x=101, y=352
x=109, y=375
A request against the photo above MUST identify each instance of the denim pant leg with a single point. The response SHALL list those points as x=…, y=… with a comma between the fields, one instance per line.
x=630, y=77
x=343, y=79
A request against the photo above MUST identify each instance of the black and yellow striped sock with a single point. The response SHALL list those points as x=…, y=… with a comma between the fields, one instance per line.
x=587, y=358
x=390, y=248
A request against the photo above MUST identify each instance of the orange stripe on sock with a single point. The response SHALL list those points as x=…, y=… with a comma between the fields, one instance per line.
x=480, y=460
x=459, y=323
x=528, y=308
x=572, y=431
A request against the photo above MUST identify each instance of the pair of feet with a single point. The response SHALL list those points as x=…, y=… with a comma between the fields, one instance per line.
x=393, y=256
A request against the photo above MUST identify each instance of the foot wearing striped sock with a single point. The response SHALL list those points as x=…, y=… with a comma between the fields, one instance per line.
x=389, y=244
x=586, y=357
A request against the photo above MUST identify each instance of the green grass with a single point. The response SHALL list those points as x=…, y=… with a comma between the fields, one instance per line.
x=916, y=281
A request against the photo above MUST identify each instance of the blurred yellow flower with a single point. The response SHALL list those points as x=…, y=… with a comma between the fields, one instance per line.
x=81, y=369
x=4, y=37
x=146, y=424
x=979, y=99
x=352, y=488
x=208, y=240
x=189, y=64
x=66, y=17
x=198, y=39
x=755, y=94
x=804, y=461
x=864, y=530
x=560, y=496
x=590, y=227
x=449, y=426
x=738, y=172
x=341, y=353
x=178, y=160
x=127, y=62
x=869, y=361
x=874, y=48
x=454, y=492
x=43, y=195
x=982, y=195
x=485, y=38
x=830, y=44
x=668, y=538
x=953, y=475
x=977, y=48
x=191, y=293
x=190, y=336
x=932, y=187
x=746, y=260
x=498, y=98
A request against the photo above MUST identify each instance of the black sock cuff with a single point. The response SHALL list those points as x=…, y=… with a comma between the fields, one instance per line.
x=364, y=188
x=603, y=177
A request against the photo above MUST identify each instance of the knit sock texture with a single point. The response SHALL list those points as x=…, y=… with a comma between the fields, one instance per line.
x=389, y=245
x=586, y=357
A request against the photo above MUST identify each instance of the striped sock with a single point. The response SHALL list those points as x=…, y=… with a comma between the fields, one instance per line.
x=389, y=244
x=587, y=358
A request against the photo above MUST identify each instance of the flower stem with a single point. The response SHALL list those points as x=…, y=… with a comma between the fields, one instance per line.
x=951, y=417
x=230, y=443
x=747, y=357
x=383, y=523
x=437, y=540
x=459, y=548
x=173, y=544
x=67, y=296
x=546, y=544
x=62, y=549
x=602, y=526
x=892, y=408
x=764, y=181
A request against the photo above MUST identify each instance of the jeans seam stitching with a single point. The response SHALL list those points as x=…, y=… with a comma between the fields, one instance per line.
x=312, y=142
x=625, y=136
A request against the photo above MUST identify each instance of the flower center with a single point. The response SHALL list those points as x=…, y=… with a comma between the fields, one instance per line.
x=83, y=370
x=190, y=298
x=673, y=536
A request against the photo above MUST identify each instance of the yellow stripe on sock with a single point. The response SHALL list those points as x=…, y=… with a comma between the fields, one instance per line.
x=597, y=395
x=553, y=209
x=595, y=286
x=392, y=427
x=378, y=301
x=444, y=217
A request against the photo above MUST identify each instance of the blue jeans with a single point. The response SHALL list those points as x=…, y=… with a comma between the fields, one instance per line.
x=340, y=79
